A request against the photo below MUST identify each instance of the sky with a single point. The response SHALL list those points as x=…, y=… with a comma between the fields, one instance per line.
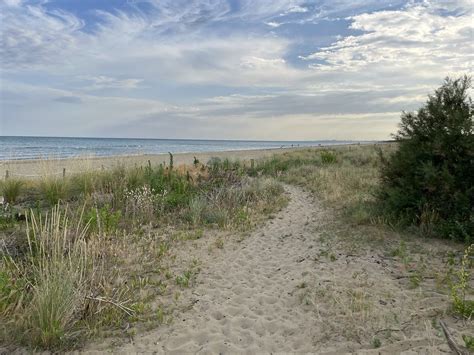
x=225, y=69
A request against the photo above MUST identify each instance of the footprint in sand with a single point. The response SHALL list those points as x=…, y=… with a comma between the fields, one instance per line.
x=248, y=296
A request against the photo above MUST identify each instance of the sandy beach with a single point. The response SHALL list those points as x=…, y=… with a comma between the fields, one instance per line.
x=36, y=168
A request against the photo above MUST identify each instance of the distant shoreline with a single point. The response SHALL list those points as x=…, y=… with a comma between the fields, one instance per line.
x=53, y=148
x=140, y=154
x=36, y=168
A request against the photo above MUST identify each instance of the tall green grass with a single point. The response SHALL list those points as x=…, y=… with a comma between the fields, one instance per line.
x=54, y=189
x=57, y=271
x=11, y=189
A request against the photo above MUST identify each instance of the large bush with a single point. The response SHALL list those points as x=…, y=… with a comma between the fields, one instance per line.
x=429, y=180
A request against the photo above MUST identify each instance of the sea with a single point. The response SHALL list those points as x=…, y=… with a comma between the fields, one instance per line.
x=24, y=148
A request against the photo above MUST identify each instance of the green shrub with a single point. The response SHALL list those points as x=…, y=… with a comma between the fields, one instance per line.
x=11, y=189
x=276, y=165
x=429, y=179
x=54, y=190
x=328, y=157
x=103, y=220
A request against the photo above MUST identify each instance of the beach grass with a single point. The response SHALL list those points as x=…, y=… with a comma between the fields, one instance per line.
x=74, y=268
x=110, y=249
x=11, y=189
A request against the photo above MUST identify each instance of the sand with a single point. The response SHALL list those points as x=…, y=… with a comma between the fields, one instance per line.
x=245, y=300
x=279, y=290
x=46, y=167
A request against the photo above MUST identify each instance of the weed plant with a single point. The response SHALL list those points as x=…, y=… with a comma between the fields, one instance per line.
x=460, y=288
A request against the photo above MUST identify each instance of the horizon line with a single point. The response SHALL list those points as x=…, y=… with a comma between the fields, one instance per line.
x=199, y=139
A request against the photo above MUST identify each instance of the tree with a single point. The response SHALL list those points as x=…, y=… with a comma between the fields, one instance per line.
x=429, y=180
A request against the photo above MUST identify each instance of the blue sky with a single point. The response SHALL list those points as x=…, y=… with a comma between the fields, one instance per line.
x=225, y=69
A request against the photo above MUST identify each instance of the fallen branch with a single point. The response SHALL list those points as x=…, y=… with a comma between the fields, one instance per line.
x=120, y=306
x=451, y=342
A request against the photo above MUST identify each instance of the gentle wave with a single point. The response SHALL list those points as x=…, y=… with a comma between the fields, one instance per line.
x=25, y=148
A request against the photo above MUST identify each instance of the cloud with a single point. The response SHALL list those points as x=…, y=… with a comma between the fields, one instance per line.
x=167, y=47
x=417, y=39
x=31, y=36
x=12, y=3
x=299, y=127
x=69, y=99
x=106, y=82
x=298, y=9
x=225, y=69
x=273, y=24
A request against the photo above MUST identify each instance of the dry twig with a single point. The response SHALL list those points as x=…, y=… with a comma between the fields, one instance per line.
x=451, y=342
x=120, y=305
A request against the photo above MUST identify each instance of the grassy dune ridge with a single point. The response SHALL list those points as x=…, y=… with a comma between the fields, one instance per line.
x=96, y=247
x=110, y=252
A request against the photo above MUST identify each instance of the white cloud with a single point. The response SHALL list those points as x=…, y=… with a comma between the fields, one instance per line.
x=273, y=24
x=416, y=39
x=122, y=43
x=298, y=9
x=13, y=3
x=351, y=88
x=32, y=37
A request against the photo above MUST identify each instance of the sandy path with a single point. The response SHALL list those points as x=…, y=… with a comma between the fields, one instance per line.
x=245, y=298
x=292, y=287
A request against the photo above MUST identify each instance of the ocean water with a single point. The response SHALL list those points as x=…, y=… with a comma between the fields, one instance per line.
x=21, y=148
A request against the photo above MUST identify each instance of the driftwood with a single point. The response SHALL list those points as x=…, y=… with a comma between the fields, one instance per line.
x=451, y=342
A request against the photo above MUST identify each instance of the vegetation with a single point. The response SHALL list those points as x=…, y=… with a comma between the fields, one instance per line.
x=346, y=182
x=359, y=231
x=11, y=189
x=428, y=179
x=460, y=287
x=96, y=248
x=101, y=250
x=54, y=189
